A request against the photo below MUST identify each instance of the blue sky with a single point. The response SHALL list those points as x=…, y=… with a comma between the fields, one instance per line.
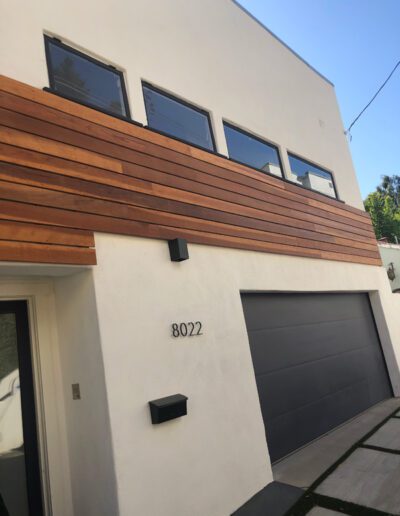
x=355, y=44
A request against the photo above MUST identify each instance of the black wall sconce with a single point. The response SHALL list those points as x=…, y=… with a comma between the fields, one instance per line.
x=178, y=250
x=171, y=407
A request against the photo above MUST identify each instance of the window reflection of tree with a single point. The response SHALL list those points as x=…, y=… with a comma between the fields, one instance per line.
x=70, y=81
x=115, y=106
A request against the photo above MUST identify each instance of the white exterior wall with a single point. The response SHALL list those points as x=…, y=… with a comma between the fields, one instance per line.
x=215, y=458
x=209, y=52
x=91, y=460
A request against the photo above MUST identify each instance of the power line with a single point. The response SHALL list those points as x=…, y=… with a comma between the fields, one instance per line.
x=373, y=98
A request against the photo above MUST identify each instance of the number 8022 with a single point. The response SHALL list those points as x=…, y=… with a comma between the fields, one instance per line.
x=190, y=329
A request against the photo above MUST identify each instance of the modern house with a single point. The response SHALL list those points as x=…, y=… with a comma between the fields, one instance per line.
x=181, y=224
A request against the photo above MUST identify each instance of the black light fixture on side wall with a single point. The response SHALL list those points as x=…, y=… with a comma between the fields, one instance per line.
x=178, y=249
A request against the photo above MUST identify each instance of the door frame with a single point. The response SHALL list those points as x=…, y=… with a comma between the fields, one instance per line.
x=38, y=293
x=28, y=404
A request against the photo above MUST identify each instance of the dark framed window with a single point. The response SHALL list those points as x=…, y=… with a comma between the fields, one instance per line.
x=311, y=176
x=172, y=116
x=252, y=151
x=83, y=79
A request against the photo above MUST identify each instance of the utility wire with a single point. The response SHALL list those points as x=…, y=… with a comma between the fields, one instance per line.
x=373, y=98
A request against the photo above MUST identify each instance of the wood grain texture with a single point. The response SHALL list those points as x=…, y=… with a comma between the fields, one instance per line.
x=67, y=171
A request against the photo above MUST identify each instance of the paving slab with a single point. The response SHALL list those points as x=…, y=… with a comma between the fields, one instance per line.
x=320, y=511
x=367, y=477
x=303, y=467
x=388, y=436
x=274, y=500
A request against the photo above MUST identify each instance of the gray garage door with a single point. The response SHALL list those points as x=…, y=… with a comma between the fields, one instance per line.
x=317, y=361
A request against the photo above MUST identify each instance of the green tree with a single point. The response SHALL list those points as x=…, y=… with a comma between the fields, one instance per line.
x=383, y=206
x=390, y=186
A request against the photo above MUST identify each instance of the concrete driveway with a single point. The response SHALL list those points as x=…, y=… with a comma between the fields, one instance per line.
x=354, y=470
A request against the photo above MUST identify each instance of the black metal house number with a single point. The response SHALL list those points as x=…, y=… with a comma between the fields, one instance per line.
x=189, y=329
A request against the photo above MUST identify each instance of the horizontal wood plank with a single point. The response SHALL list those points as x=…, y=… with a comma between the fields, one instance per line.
x=44, y=197
x=11, y=251
x=41, y=162
x=116, y=226
x=285, y=217
x=193, y=168
x=67, y=171
x=23, y=175
x=163, y=171
x=89, y=115
x=38, y=233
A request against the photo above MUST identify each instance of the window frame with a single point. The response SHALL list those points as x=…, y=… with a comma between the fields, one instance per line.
x=184, y=102
x=313, y=164
x=110, y=68
x=261, y=140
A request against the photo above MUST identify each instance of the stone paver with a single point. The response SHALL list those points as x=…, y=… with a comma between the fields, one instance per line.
x=367, y=477
x=320, y=511
x=388, y=436
x=303, y=467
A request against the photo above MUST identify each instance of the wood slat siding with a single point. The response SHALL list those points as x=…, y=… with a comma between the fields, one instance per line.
x=67, y=171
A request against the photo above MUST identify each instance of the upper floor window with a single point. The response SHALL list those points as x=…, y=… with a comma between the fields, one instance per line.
x=311, y=176
x=252, y=151
x=172, y=116
x=85, y=80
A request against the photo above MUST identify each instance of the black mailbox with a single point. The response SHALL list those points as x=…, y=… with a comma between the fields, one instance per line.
x=168, y=408
x=178, y=250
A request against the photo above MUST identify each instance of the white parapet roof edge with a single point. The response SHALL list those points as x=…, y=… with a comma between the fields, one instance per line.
x=236, y=2
x=389, y=246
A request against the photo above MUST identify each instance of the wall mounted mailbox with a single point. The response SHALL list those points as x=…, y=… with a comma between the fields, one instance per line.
x=168, y=408
x=178, y=250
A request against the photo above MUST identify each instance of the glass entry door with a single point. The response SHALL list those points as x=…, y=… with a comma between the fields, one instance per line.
x=20, y=486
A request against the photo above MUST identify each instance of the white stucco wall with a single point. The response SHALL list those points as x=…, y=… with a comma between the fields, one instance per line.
x=209, y=52
x=92, y=472
x=214, y=459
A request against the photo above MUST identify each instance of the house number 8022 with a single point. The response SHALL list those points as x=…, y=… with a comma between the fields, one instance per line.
x=190, y=329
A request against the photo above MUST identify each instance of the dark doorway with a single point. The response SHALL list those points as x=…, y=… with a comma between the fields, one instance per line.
x=20, y=485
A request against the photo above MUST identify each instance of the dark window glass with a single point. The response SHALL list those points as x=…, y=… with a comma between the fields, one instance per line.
x=85, y=80
x=172, y=116
x=311, y=176
x=251, y=151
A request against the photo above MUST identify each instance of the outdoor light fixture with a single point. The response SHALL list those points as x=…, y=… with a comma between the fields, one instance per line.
x=390, y=271
x=171, y=407
x=178, y=250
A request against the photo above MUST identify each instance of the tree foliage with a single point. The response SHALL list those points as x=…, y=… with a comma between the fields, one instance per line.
x=383, y=206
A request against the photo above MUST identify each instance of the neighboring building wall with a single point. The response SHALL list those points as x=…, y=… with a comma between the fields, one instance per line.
x=208, y=52
x=319, y=183
x=390, y=254
x=215, y=458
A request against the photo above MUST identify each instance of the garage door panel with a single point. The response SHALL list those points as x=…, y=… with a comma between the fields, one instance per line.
x=295, y=429
x=302, y=308
x=294, y=345
x=290, y=388
x=317, y=361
